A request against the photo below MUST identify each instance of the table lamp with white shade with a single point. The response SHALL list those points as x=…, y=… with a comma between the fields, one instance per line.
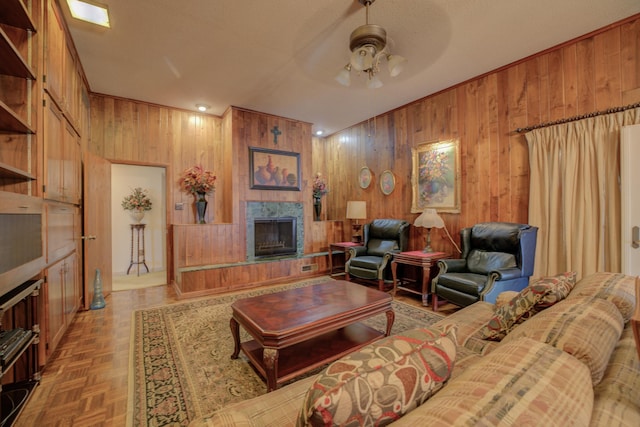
x=356, y=210
x=429, y=219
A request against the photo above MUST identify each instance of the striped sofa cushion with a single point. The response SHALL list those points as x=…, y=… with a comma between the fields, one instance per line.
x=504, y=389
x=587, y=328
x=615, y=287
x=617, y=397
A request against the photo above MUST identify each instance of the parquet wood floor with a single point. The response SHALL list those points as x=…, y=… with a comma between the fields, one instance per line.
x=86, y=381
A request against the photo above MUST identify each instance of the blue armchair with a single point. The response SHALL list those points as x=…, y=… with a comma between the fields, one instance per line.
x=371, y=261
x=496, y=257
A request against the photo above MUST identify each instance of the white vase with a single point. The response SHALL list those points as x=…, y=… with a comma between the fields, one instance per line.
x=137, y=215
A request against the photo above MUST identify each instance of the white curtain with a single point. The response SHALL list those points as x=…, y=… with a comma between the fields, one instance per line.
x=574, y=194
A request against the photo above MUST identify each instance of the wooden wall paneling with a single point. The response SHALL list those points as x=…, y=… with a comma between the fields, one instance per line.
x=607, y=63
x=556, y=86
x=225, y=186
x=533, y=100
x=630, y=55
x=517, y=161
x=585, y=77
x=469, y=155
x=630, y=58
x=485, y=153
x=570, y=80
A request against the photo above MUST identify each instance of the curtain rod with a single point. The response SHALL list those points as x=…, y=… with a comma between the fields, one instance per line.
x=575, y=118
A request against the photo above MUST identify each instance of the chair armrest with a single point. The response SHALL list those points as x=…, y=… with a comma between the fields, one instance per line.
x=354, y=251
x=507, y=273
x=452, y=265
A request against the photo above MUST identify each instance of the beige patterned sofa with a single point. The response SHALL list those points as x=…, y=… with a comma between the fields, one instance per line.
x=559, y=353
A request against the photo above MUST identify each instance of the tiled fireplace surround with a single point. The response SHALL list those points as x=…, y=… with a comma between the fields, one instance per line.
x=274, y=210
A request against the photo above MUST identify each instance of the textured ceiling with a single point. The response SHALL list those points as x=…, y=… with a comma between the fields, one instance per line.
x=281, y=56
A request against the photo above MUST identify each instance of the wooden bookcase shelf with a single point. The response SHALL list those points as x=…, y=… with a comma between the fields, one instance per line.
x=9, y=172
x=16, y=15
x=10, y=122
x=14, y=65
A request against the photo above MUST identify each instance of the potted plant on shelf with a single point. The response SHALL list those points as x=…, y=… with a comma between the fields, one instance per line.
x=137, y=203
x=199, y=182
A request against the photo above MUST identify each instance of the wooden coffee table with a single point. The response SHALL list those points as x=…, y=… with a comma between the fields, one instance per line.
x=297, y=330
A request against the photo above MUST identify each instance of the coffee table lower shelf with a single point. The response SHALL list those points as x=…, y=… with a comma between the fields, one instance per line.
x=306, y=356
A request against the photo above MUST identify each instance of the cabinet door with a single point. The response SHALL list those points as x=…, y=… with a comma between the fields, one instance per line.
x=53, y=151
x=71, y=166
x=54, y=51
x=55, y=305
x=71, y=298
x=61, y=230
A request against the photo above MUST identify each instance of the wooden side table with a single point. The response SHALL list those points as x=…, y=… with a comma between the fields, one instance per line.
x=339, y=247
x=418, y=259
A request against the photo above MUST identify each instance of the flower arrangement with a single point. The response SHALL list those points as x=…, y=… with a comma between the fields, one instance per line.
x=138, y=200
x=435, y=174
x=197, y=180
x=319, y=186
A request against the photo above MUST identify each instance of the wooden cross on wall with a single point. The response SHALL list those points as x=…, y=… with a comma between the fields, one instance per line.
x=275, y=131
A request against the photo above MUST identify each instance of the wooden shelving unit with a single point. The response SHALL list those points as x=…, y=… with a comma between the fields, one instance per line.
x=19, y=313
x=24, y=347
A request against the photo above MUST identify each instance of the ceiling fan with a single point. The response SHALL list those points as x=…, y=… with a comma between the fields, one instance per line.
x=368, y=45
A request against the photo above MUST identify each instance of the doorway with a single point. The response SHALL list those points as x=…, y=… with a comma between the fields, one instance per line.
x=138, y=252
x=630, y=202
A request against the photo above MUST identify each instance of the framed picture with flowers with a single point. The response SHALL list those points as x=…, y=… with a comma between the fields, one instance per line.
x=435, y=177
x=274, y=169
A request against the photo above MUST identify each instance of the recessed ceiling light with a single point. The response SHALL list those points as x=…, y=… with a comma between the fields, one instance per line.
x=90, y=11
x=319, y=132
x=202, y=107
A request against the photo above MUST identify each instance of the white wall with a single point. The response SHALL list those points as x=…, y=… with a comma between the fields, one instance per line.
x=124, y=178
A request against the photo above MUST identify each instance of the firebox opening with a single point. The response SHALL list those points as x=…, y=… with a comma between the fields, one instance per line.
x=275, y=236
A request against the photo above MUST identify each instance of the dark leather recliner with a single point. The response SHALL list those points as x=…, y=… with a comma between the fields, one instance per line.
x=496, y=257
x=371, y=261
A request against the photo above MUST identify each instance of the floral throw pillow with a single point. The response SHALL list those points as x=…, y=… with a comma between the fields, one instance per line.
x=558, y=288
x=382, y=381
x=539, y=295
x=505, y=297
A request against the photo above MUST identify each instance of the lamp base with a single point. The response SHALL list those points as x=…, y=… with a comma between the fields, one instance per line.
x=356, y=237
x=428, y=248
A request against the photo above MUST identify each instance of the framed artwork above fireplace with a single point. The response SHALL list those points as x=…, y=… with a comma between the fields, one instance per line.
x=274, y=169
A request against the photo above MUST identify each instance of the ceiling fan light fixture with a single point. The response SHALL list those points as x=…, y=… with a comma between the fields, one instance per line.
x=395, y=64
x=373, y=82
x=344, y=76
x=368, y=45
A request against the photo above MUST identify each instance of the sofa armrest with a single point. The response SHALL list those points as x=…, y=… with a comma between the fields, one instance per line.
x=507, y=273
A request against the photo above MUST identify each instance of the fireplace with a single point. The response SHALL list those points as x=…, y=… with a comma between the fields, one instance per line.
x=275, y=236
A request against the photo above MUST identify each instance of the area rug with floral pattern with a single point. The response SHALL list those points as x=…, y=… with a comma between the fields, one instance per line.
x=180, y=363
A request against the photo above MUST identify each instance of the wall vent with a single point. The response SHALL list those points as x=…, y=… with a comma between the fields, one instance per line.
x=309, y=267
